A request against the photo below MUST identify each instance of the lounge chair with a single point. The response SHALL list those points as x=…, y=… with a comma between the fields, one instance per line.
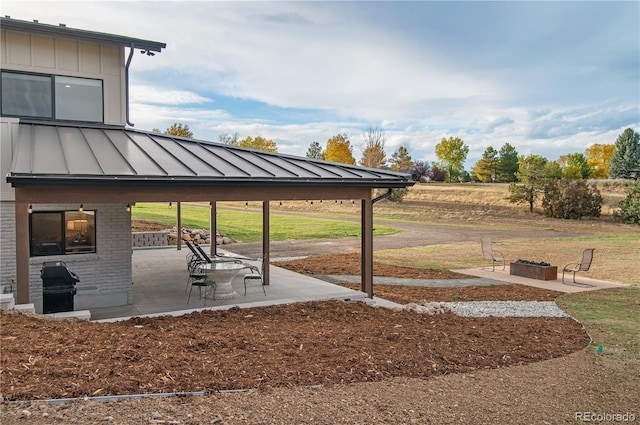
x=489, y=254
x=582, y=266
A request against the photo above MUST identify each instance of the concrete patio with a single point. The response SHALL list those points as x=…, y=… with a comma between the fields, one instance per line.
x=160, y=277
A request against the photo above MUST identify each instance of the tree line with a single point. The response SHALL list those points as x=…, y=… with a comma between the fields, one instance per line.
x=560, y=185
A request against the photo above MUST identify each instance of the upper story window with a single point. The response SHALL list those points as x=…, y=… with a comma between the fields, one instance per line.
x=52, y=97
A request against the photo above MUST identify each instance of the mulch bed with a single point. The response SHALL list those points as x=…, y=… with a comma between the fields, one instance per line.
x=316, y=343
x=298, y=344
x=349, y=264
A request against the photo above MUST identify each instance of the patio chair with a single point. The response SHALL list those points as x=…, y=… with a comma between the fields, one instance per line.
x=582, y=266
x=198, y=277
x=255, y=275
x=489, y=254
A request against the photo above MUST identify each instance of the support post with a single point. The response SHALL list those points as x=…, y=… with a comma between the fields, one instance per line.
x=265, y=241
x=22, y=252
x=213, y=230
x=366, y=252
x=179, y=222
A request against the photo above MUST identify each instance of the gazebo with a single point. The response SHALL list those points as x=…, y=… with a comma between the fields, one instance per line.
x=71, y=164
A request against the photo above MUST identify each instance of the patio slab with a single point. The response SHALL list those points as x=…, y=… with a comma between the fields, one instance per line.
x=582, y=283
x=160, y=278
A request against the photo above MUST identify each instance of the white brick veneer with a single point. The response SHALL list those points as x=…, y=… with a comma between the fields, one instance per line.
x=105, y=277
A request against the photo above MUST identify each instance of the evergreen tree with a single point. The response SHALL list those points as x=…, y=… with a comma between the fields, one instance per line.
x=401, y=160
x=625, y=162
x=485, y=169
x=507, y=164
x=534, y=173
x=315, y=151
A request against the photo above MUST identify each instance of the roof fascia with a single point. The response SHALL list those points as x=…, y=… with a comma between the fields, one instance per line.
x=63, y=30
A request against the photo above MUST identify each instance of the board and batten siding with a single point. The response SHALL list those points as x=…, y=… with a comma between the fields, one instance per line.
x=44, y=54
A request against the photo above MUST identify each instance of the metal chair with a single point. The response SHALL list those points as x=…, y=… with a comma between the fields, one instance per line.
x=489, y=254
x=255, y=275
x=198, y=277
x=582, y=266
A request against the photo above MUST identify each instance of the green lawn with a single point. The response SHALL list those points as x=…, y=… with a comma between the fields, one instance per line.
x=612, y=319
x=246, y=226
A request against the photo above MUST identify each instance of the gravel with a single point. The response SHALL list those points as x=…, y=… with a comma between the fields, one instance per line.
x=505, y=309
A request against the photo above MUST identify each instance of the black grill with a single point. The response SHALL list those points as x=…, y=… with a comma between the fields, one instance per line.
x=58, y=287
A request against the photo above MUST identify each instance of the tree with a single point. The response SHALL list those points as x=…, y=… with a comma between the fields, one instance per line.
x=599, y=159
x=485, y=169
x=630, y=206
x=575, y=166
x=437, y=173
x=507, y=163
x=625, y=162
x=373, y=155
x=420, y=171
x=534, y=173
x=452, y=153
x=315, y=151
x=571, y=199
x=401, y=160
x=228, y=139
x=339, y=150
x=180, y=130
x=259, y=143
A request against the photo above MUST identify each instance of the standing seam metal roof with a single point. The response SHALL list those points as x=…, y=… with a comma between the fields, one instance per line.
x=55, y=152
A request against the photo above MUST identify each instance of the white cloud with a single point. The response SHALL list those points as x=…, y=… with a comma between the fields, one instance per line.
x=158, y=95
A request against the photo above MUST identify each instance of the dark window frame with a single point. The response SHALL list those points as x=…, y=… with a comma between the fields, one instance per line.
x=63, y=249
x=52, y=86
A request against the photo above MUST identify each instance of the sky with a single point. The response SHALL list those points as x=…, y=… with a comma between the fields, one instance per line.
x=550, y=78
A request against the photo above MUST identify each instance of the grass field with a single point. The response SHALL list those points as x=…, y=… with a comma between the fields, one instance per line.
x=246, y=225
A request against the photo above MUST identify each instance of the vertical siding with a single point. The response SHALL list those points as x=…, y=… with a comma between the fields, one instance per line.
x=74, y=58
x=8, y=140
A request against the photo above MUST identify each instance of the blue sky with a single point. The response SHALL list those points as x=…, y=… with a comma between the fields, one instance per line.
x=548, y=77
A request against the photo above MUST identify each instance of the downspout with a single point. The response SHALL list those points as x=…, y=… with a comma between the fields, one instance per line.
x=126, y=83
x=383, y=196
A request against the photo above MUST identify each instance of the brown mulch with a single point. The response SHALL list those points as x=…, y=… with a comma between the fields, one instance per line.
x=349, y=264
x=287, y=345
x=419, y=294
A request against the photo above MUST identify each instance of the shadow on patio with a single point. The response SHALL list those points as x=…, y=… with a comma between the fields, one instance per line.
x=160, y=277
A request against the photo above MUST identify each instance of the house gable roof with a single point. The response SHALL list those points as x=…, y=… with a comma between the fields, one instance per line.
x=55, y=153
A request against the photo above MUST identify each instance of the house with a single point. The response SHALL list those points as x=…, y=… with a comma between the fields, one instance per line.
x=73, y=165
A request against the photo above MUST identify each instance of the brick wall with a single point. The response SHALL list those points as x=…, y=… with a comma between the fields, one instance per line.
x=7, y=244
x=105, y=276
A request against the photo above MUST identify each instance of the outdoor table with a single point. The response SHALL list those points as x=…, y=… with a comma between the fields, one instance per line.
x=222, y=273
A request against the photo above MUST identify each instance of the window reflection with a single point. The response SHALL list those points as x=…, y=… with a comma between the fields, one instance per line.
x=56, y=233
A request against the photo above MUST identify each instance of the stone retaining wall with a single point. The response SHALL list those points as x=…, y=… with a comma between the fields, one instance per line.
x=170, y=237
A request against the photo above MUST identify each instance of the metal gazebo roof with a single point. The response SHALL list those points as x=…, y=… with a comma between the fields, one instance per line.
x=59, y=154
